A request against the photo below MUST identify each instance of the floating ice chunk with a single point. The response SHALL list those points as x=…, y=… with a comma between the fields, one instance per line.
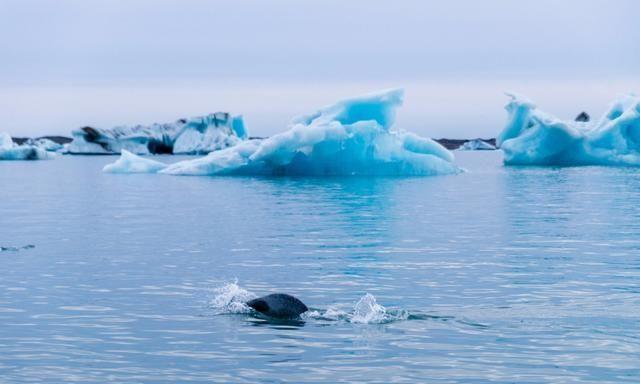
x=532, y=137
x=210, y=133
x=198, y=135
x=351, y=137
x=44, y=143
x=476, y=145
x=25, y=152
x=10, y=151
x=130, y=163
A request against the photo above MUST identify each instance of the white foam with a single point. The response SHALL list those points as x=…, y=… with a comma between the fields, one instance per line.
x=231, y=299
x=367, y=310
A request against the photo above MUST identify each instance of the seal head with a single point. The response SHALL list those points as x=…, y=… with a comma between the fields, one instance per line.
x=278, y=306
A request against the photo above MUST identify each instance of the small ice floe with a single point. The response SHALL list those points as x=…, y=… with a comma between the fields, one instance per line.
x=130, y=163
x=476, y=145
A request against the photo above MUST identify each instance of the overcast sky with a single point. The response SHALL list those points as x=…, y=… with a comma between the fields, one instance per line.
x=65, y=63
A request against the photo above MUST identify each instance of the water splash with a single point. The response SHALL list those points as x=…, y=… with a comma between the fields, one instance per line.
x=231, y=299
x=331, y=314
x=366, y=311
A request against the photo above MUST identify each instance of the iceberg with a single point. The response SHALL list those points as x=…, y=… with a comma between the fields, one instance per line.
x=476, y=145
x=198, y=135
x=533, y=137
x=130, y=163
x=6, y=142
x=11, y=151
x=42, y=142
x=351, y=137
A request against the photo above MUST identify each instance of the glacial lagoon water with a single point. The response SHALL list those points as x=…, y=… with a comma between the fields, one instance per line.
x=501, y=274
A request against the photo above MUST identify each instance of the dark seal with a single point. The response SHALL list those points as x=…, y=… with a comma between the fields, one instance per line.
x=279, y=306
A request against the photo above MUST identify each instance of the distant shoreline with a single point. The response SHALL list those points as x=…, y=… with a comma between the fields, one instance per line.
x=56, y=139
x=447, y=143
x=457, y=143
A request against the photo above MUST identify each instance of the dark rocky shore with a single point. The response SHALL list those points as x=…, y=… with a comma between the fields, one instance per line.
x=457, y=143
x=56, y=139
x=447, y=143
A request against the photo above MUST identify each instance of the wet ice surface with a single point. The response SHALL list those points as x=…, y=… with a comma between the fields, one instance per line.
x=527, y=275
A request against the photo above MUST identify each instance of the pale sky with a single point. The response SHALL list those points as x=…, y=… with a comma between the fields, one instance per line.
x=69, y=63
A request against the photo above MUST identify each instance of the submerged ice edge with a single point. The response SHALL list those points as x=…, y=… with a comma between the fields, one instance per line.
x=230, y=298
x=351, y=137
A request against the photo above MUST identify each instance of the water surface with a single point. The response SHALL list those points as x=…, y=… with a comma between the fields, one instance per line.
x=527, y=275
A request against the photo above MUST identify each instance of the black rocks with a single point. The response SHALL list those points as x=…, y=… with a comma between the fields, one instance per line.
x=583, y=117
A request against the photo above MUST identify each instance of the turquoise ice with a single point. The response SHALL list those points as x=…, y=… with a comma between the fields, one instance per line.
x=352, y=137
x=533, y=137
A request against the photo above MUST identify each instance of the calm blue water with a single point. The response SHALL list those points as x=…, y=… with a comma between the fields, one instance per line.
x=509, y=275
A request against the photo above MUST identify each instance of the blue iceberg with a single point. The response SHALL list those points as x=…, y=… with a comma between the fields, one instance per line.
x=533, y=137
x=351, y=137
x=197, y=135
x=11, y=151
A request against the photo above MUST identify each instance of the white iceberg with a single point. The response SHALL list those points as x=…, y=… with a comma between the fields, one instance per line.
x=130, y=163
x=198, y=135
x=476, y=145
x=351, y=137
x=6, y=142
x=533, y=137
x=11, y=151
